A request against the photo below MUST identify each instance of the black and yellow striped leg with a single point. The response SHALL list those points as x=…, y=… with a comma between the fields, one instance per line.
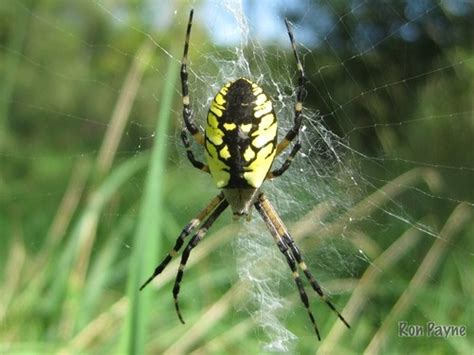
x=261, y=206
x=187, y=251
x=286, y=164
x=184, y=233
x=288, y=240
x=188, y=114
x=314, y=284
x=196, y=163
x=300, y=93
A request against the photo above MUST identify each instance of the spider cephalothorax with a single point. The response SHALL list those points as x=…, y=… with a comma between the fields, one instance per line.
x=240, y=141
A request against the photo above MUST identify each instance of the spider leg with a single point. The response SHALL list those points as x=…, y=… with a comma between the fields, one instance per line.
x=286, y=164
x=288, y=240
x=184, y=233
x=188, y=114
x=268, y=216
x=300, y=93
x=314, y=284
x=196, y=163
x=187, y=251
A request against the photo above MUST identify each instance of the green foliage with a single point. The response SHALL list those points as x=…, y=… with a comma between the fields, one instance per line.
x=79, y=236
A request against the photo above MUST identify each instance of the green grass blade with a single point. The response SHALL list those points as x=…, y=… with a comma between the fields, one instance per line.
x=147, y=236
x=91, y=213
x=103, y=271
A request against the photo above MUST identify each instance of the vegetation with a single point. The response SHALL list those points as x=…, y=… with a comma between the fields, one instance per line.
x=95, y=186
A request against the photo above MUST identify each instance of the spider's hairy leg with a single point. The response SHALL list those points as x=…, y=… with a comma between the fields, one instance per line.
x=286, y=164
x=300, y=93
x=288, y=240
x=187, y=251
x=268, y=219
x=188, y=114
x=314, y=284
x=196, y=163
x=184, y=233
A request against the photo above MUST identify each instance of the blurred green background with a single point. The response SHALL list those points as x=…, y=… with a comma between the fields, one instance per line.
x=95, y=186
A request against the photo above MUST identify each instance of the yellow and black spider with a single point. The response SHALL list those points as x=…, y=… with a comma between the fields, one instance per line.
x=240, y=141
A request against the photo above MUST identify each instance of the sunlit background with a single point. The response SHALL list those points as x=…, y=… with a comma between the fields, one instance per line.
x=95, y=185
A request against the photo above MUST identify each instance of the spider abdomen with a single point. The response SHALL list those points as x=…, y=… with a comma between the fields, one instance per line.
x=240, y=135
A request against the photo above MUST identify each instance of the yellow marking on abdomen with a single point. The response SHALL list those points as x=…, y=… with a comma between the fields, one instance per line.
x=263, y=109
x=216, y=166
x=258, y=170
x=249, y=154
x=262, y=137
x=212, y=120
x=230, y=126
x=257, y=90
x=266, y=121
x=211, y=150
x=214, y=135
x=224, y=152
x=260, y=99
x=219, y=99
x=246, y=127
x=216, y=110
x=223, y=91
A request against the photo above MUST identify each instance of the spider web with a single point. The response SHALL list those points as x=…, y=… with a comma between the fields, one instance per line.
x=330, y=169
x=351, y=146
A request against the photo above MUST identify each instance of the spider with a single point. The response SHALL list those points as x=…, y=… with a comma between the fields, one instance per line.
x=240, y=143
